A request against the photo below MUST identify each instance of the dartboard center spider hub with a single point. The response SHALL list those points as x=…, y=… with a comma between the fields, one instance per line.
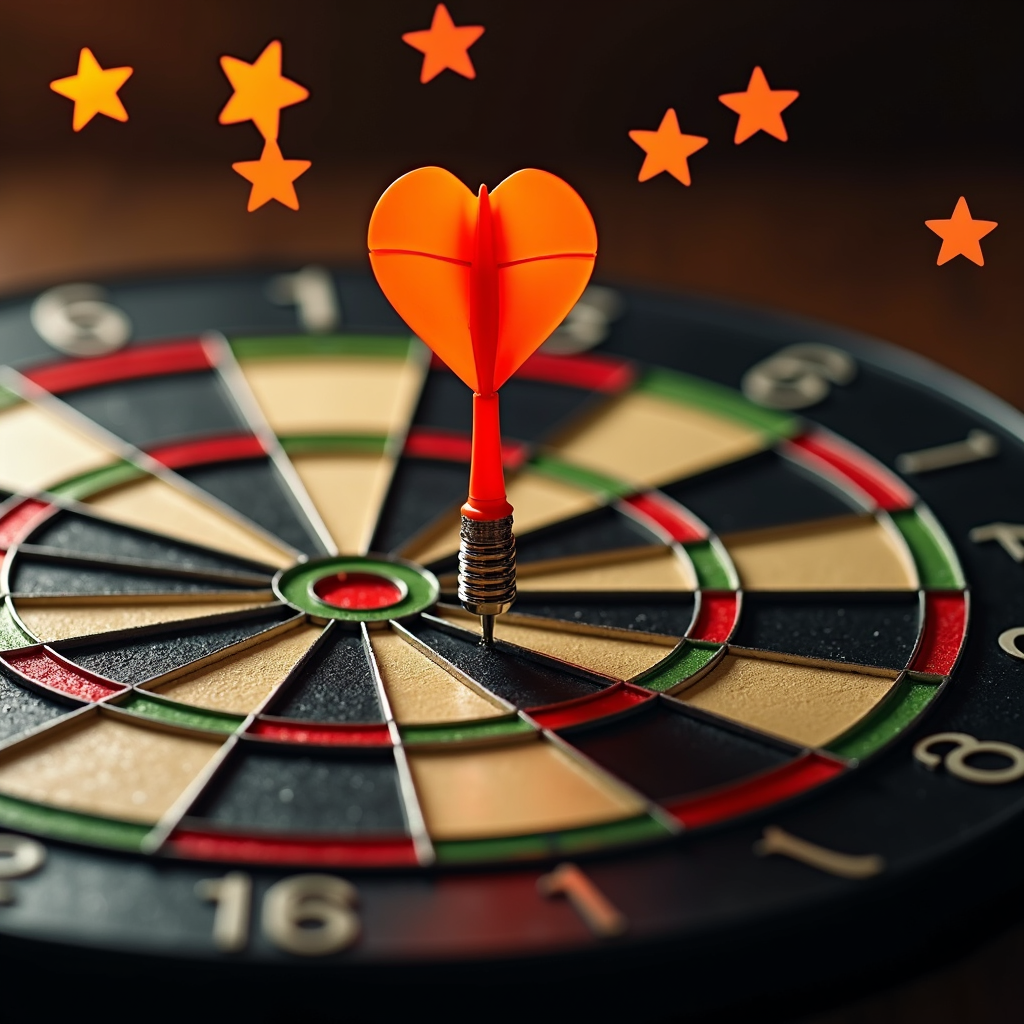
x=354, y=589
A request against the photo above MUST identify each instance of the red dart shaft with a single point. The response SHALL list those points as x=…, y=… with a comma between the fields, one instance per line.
x=487, y=498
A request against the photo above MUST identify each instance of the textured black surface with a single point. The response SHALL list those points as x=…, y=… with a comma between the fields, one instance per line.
x=420, y=491
x=530, y=409
x=521, y=681
x=22, y=709
x=665, y=753
x=255, y=488
x=81, y=534
x=134, y=661
x=862, y=629
x=601, y=530
x=154, y=410
x=40, y=576
x=307, y=792
x=705, y=890
x=764, y=490
x=335, y=685
x=648, y=613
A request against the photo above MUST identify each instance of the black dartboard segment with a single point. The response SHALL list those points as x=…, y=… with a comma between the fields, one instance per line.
x=233, y=658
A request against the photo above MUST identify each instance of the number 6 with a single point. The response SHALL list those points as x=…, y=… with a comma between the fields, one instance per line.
x=797, y=376
x=311, y=915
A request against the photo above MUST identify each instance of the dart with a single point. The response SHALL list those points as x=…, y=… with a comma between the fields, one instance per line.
x=483, y=280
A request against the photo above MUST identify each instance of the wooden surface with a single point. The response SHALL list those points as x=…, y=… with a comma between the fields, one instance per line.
x=829, y=242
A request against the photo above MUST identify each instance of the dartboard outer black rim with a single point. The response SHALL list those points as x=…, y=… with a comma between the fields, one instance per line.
x=687, y=861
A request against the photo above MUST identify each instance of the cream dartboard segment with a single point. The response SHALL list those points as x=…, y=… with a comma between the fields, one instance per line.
x=232, y=631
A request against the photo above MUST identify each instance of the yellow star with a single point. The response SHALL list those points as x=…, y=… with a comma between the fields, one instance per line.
x=260, y=91
x=272, y=177
x=94, y=90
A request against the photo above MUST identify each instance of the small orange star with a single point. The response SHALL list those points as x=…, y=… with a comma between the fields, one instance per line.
x=444, y=45
x=961, y=235
x=760, y=108
x=94, y=90
x=272, y=177
x=260, y=91
x=667, y=149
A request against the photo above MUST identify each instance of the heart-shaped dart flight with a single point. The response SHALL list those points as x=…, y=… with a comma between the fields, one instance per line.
x=483, y=280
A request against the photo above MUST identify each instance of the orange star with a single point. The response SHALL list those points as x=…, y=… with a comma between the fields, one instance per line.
x=961, y=235
x=760, y=108
x=94, y=90
x=444, y=45
x=667, y=149
x=272, y=177
x=260, y=91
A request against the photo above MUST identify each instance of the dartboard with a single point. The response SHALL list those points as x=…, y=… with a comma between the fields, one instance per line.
x=764, y=668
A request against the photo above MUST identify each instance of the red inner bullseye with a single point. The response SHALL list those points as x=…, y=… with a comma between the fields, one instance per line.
x=358, y=591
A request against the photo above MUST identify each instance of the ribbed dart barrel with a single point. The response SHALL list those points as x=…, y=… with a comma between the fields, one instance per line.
x=487, y=569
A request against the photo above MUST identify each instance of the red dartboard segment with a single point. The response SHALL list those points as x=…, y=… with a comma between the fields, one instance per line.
x=945, y=627
x=398, y=852
x=130, y=364
x=799, y=775
x=717, y=616
x=19, y=520
x=46, y=668
x=612, y=701
x=456, y=446
x=226, y=448
x=285, y=731
x=866, y=474
x=667, y=516
x=603, y=374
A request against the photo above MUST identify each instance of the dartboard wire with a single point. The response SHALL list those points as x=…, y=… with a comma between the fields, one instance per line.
x=895, y=678
x=57, y=503
x=296, y=672
x=271, y=632
x=162, y=830
x=32, y=393
x=453, y=670
x=160, y=834
x=227, y=368
x=590, y=767
x=138, y=565
x=63, y=650
x=819, y=468
x=549, y=661
x=414, y=817
x=418, y=359
x=651, y=807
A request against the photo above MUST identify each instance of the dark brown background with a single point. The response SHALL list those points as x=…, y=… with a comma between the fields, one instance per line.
x=904, y=107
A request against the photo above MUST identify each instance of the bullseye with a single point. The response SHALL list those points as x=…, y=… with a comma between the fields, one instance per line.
x=359, y=591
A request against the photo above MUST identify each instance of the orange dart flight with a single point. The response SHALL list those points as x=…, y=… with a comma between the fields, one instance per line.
x=483, y=280
x=94, y=90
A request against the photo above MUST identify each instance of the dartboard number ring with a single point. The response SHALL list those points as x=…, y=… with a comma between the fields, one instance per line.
x=77, y=320
x=967, y=746
x=307, y=915
x=798, y=376
x=19, y=856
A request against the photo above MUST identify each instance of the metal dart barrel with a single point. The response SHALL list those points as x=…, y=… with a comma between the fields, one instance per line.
x=487, y=569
